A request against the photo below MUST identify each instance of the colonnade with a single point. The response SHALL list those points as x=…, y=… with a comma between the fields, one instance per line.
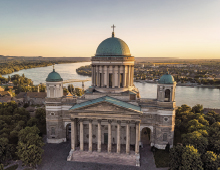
x=124, y=74
x=99, y=141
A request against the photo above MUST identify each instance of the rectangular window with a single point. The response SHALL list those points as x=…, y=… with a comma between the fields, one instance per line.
x=52, y=131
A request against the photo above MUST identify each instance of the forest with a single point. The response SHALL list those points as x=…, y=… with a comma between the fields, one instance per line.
x=20, y=134
x=197, y=139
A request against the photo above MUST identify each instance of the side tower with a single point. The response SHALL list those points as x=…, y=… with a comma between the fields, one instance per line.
x=166, y=88
x=165, y=120
x=54, y=85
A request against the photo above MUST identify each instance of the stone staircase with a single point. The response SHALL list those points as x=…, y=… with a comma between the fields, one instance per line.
x=103, y=158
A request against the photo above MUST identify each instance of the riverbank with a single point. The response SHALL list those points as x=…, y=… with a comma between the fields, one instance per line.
x=192, y=85
x=10, y=67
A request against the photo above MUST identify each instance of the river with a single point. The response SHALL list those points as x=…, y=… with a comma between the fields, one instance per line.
x=209, y=98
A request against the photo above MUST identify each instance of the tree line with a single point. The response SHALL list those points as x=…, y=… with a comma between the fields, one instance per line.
x=9, y=67
x=20, y=135
x=197, y=139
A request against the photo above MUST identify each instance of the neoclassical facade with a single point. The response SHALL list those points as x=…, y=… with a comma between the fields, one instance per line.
x=111, y=117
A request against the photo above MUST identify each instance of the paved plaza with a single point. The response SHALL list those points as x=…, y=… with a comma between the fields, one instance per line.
x=55, y=158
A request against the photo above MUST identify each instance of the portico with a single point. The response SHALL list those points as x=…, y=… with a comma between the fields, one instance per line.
x=114, y=123
x=99, y=133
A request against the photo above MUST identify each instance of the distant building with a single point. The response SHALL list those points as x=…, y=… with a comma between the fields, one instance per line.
x=32, y=97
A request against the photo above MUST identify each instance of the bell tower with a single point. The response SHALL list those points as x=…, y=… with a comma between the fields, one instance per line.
x=54, y=85
x=166, y=88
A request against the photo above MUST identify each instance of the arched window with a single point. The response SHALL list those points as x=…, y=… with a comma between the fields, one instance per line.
x=164, y=137
x=167, y=95
x=52, y=131
x=52, y=113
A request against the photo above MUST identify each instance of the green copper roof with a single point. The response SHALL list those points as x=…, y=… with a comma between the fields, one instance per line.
x=113, y=47
x=166, y=79
x=54, y=76
x=109, y=100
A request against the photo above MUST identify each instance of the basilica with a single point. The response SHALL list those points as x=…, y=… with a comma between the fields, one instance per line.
x=111, y=118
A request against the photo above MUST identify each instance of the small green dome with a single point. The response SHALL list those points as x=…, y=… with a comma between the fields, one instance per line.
x=113, y=47
x=166, y=79
x=54, y=77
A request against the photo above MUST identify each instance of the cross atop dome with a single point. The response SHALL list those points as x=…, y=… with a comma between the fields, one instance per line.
x=113, y=33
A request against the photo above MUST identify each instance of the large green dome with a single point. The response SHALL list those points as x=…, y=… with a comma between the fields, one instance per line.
x=113, y=47
x=166, y=79
x=54, y=77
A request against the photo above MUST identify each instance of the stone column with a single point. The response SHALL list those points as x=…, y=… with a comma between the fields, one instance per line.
x=118, y=136
x=81, y=135
x=92, y=75
x=73, y=134
x=109, y=136
x=132, y=75
x=137, y=139
x=128, y=78
x=128, y=137
x=90, y=135
x=98, y=77
x=124, y=78
x=113, y=77
x=119, y=76
x=102, y=85
x=107, y=76
x=99, y=142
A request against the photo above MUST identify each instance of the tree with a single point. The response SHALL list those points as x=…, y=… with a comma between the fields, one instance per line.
x=70, y=88
x=210, y=161
x=197, y=140
x=194, y=125
x=176, y=157
x=197, y=108
x=29, y=154
x=40, y=115
x=191, y=159
x=1, y=167
x=79, y=92
x=214, y=137
x=9, y=78
x=30, y=146
x=4, y=150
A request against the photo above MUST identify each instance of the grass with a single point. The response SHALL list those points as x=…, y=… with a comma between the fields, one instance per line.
x=13, y=167
x=161, y=158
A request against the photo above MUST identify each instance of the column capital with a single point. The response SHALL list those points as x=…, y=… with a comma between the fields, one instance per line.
x=81, y=120
x=110, y=121
x=90, y=120
x=72, y=119
x=137, y=122
x=119, y=121
x=99, y=120
x=128, y=121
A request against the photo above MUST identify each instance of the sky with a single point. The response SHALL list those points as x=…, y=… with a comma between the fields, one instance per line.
x=152, y=28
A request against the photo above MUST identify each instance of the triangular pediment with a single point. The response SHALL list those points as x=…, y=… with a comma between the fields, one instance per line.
x=106, y=104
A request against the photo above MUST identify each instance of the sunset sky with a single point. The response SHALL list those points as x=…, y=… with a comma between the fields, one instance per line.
x=72, y=28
